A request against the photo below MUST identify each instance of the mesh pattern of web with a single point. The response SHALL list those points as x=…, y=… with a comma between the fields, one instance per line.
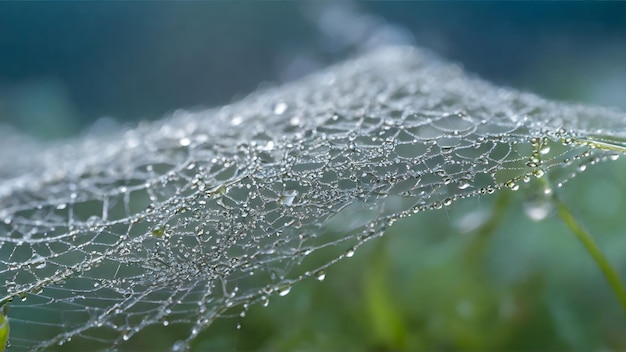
x=177, y=222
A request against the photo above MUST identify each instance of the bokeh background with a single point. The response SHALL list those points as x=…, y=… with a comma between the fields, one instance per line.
x=435, y=281
x=64, y=65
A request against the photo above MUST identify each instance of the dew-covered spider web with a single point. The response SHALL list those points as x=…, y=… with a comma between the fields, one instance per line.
x=182, y=221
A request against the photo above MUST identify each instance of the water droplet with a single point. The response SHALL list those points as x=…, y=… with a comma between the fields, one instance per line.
x=582, y=167
x=614, y=156
x=158, y=231
x=236, y=120
x=545, y=150
x=463, y=184
x=238, y=326
x=534, y=158
x=62, y=206
x=350, y=253
x=537, y=209
x=447, y=202
x=547, y=191
x=295, y=121
x=40, y=265
x=280, y=108
x=538, y=173
x=166, y=323
x=446, y=150
x=284, y=291
x=287, y=197
x=512, y=185
x=321, y=275
x=184, y=141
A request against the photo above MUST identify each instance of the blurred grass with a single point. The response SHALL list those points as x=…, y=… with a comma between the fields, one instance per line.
x=429, y=284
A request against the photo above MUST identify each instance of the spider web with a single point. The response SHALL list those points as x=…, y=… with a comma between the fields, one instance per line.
x=105, y=240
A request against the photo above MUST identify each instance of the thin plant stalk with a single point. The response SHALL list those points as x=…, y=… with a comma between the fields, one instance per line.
x=594, y=250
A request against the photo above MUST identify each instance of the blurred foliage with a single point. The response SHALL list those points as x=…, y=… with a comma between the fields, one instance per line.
x=479, y=275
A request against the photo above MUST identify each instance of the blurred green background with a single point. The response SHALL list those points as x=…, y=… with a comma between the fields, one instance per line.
x=430, y=283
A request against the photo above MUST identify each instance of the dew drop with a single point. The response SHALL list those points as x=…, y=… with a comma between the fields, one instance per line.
x=537, y=210
x=321, y=275
x=534, y=158
x=463, y=184
x=184, y=142
x=614, y=156
x=236, y=120
x=287, y=197
x=178, y=346
x=582, y=167
x=280, y=108
x=446, y=150
x=158, y=231
x=512, y=185
x=350, y=253
x=284, y=291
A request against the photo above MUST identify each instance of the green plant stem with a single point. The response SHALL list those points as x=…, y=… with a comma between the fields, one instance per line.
x=592, y=247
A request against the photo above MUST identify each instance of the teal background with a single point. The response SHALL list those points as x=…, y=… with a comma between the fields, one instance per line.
x=64, y=65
